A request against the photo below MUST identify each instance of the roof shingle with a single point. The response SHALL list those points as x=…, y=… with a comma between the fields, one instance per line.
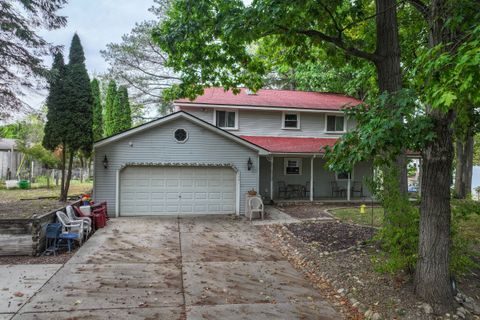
x=275, y=98
x=291, y=144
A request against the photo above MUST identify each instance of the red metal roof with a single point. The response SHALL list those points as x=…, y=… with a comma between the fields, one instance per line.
x=275, y=98
x=291, y=144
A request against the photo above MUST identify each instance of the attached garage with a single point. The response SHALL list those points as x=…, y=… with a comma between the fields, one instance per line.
x=175, y=165
x=166, y=190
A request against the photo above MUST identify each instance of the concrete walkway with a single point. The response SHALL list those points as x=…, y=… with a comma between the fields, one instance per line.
x=209, y=267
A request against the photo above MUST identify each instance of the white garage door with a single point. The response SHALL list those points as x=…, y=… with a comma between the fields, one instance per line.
x=177, y=190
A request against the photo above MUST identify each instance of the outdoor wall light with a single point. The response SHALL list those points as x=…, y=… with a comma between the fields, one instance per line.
x=105, y=162
x=249, y=164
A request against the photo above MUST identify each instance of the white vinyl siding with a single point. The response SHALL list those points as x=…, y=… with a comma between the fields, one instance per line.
x=157, y=145
x=269, y=123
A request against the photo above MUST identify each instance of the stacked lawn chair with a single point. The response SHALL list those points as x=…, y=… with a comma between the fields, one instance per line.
x=72, y=230
x=52, y=238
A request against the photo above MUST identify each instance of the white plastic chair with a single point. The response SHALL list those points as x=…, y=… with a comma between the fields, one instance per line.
x=71, y=226
x=255, y=205
x=87, y=222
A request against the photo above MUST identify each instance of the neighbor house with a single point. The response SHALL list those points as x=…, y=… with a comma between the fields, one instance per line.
x=206, y=156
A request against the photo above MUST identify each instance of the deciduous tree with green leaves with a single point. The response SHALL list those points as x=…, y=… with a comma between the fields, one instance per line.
x=212, y=43
x=209, y=43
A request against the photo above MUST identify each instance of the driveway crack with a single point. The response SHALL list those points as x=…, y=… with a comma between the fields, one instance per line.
x=184, y=309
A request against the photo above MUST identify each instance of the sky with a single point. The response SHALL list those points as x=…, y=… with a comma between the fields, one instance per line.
x=97, y=22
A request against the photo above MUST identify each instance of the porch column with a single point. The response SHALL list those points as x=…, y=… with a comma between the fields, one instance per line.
x=311, y=178
x=348, y=185
x=271, y=178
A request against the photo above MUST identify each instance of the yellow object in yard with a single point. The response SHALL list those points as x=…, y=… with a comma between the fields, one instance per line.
x=362, y=208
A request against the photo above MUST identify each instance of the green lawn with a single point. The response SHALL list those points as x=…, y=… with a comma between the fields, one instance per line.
x=353, y=215
x=470, y=227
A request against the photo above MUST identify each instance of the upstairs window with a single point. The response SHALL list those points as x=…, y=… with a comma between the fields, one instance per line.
x=291, y=121
x=335, y=123
x=226, y=119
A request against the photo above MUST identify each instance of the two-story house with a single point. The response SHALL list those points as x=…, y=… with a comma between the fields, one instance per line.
x=205, y=157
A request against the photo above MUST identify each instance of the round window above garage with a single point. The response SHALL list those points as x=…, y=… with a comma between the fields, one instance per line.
x=180, y=135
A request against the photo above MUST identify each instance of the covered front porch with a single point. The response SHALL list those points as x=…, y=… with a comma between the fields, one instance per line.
x=304, y=177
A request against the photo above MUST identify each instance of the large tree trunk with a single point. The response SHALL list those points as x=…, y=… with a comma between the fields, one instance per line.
x=432, y=274
x=69, y=177
x=388, y=67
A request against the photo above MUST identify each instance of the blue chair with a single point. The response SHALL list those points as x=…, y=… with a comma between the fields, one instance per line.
x=52, y=236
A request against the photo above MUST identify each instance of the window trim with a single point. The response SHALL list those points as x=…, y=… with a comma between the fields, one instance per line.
x=178, y=141
x=299, y=163
x=226, y=110
x=336, y=115
x=283, y=120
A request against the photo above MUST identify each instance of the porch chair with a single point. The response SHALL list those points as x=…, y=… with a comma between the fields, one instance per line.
x=71, y=226
x=255, y=205
x=282, y=188
x=337, y=190
x=52, y=237
x=357, y=188
x=86, y=220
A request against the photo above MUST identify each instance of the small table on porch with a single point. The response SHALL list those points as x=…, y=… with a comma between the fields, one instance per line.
x=295, y=190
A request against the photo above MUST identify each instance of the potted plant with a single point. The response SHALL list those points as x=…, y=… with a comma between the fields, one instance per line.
x=86, y=198
x=252, y=192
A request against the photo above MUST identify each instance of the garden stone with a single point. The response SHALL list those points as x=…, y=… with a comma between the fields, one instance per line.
x=376, y=316
x=368, y=314
x=427, y=308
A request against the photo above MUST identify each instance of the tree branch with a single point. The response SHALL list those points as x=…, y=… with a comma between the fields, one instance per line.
x=337, y=41
x=421, y=7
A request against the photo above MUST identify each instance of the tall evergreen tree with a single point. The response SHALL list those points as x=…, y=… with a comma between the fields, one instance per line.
x=124, y=111
x=57, y=115
x=109, y=108
x=79, y=102
x=97, y=110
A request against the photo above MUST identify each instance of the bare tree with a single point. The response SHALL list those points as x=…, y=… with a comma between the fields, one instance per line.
x=140, y=65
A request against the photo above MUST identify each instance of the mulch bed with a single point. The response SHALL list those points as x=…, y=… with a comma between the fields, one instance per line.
x=332, y=236
x=360, y=291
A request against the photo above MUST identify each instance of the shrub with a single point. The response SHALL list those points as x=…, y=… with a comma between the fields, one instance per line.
x=398, y=238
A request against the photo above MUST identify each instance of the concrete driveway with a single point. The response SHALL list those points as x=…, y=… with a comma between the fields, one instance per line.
x=208, y=267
